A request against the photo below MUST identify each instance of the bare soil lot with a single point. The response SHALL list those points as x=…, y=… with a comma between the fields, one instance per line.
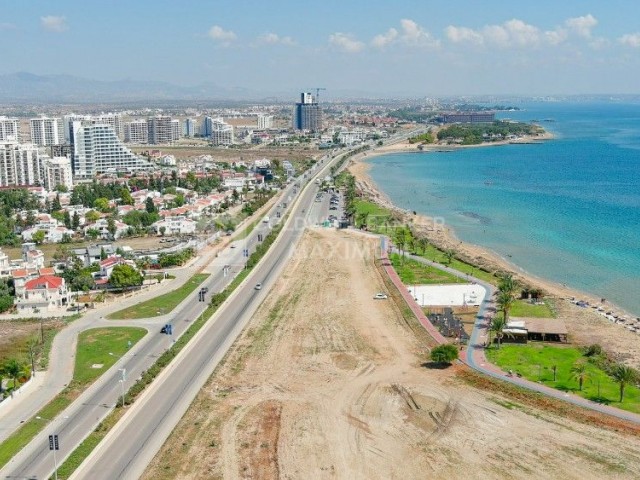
x=329, y=383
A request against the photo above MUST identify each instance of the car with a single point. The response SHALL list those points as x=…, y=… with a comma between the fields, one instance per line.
x=333, y=208
x=380, y=296
x=233, y=245
x=164, y=329
x=258, y=286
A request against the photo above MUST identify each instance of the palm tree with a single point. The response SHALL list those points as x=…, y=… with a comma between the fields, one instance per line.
x=423, y=243
x=505, y=302
x=13, y=369
x=449, y=254
x=623, y=375
x=508, y=284
x=498, y=325
x=400, y=239
x=579, y=372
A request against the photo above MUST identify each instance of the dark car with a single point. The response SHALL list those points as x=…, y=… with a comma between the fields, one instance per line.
x=164, y=329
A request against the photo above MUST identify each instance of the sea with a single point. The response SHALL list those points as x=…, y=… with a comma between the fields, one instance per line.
x=566, y=209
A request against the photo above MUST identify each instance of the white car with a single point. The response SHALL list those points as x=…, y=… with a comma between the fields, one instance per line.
x=380, y=296
x=258, y=286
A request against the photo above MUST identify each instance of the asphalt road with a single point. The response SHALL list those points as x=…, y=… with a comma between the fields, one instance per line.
x=35, y=461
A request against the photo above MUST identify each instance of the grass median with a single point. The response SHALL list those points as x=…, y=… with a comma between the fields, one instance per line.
x=160, y=305
x=92, y=360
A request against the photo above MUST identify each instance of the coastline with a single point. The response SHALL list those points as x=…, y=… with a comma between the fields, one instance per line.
x=596, y=327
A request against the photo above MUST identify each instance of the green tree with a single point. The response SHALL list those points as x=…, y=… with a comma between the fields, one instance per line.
x=497, y=327
x=125, y=197
x=445, y=353
x=93, y=233
x=13, y=369
x=508, y=284
x=75, y=221
x=124, y=276
x=149, y=205
x=163, y=229
x=67, y=219
x=56, y=205
x=6, y=296
x=92, y=216
x=449, y=255
x=580, y=373
x=623, y=376
x=101, y=204
x=423, y=243
x=103, y=254
x=111, y=227
x=504, y=302
x=38, y=237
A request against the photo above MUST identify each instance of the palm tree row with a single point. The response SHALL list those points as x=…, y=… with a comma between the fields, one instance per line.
x=505, y=298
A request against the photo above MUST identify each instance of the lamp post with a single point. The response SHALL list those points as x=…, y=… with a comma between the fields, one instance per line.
x=53, y=446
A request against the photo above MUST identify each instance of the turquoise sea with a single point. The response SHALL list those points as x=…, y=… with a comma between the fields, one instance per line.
x=567, y=209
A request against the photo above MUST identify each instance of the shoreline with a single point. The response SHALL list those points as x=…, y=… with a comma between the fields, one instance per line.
x=444, y=237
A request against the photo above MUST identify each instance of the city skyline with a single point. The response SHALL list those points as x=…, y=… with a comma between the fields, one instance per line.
x=415, y=48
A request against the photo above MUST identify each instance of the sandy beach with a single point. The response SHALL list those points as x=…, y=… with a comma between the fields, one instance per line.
x=585, y=325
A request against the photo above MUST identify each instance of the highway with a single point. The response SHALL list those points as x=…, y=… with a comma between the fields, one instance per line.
x=35, y=461
x=74, y=424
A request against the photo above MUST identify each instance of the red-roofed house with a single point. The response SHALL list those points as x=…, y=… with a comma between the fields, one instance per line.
x=45, y=293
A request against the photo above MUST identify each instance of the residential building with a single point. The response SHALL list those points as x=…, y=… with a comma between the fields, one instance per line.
x=9, y=129
x=93, y=254
x=218, y=131
x=114, y=120
x=160, y=129
x=20, y=164
x=62, y=150
x=136, y=131
x=265, y=121
x=307, y=114
x=44, y=293
x=97, y=149
x=190, y=127
x=176, y=130
x=57, y=171
x=102, y=226
x=53, y=230
x=46, y=131
x=5, y=265
x=469, y=117
x=178, y=225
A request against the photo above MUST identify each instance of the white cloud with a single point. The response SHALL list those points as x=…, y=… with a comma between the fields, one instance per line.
x=582, y=26
x=463, y=34
x=384, y=39
x=414, y=34
x=555, y=37
x=410, y=34
x=275, y=39
x=630, y=40
x=346, y=42
x=221, y=35
x=7, y=26
x=54, y=23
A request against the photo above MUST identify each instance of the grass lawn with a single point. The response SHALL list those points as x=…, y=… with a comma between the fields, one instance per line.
x=378, y=215
x=162, y=304
x=93, y=348
x=248, y=229
x=535, y=362
x=522, y=308
x=416, y=273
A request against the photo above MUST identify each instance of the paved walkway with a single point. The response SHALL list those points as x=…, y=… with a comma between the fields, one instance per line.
x=474, y=354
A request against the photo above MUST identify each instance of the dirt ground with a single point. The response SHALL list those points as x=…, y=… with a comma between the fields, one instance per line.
x=329, y=383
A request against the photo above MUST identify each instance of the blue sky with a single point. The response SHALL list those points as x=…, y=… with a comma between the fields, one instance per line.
x=412, y=47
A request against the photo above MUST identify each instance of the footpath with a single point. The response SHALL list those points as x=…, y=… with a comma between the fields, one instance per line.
x=474, y=353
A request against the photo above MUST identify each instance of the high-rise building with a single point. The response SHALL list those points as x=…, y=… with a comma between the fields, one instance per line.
x=190, y=127
x=112, y=119
x=264, y=121
x=160, y=129
x=136, y=131
x=307, y=114
x=57, y=171
x=97, y=149
x=20, y=164
x=176, y=130
x=46, y=131
x=221, y=133
x=9, y=129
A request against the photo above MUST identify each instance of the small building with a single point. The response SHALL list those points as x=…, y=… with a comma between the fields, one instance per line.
x=522, y=330
x=44, y=293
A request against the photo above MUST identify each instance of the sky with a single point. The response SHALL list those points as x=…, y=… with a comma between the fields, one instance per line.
x=421, y=47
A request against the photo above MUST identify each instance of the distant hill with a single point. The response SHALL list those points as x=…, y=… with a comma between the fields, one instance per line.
x=28, y=87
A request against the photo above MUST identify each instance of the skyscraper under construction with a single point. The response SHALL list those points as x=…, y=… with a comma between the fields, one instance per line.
x=307, y=114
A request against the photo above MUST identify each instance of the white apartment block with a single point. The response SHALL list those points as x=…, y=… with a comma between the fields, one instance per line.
x=221, y=133
x=112, y=119
x=57, y=171
x=190, y=127
x=136, y=131
x=97, y=149
x=265, y=121
x=9, y=129
x=20, y=164
x=46, y=131
x=160, y=129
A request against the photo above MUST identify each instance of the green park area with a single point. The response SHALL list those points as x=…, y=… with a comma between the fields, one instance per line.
x=412, y=272
x=160, y=305
x=98, y=350
x=561, y=367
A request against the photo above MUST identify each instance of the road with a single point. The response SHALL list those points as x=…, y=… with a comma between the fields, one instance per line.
x=72, y=425
x=80, y=418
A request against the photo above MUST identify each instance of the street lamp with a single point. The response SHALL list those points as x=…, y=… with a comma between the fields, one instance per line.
x=123, y=378
x=53, y=446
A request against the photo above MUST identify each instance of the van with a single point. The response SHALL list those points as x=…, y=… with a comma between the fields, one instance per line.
x=265, y=220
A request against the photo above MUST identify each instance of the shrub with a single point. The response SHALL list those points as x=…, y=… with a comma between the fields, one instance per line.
x=446, y=353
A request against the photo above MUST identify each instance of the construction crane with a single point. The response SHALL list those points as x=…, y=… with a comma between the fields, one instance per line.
x=318, y=93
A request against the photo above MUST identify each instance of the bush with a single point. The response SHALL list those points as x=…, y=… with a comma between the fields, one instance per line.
x=592, y=350
x=446, y=353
